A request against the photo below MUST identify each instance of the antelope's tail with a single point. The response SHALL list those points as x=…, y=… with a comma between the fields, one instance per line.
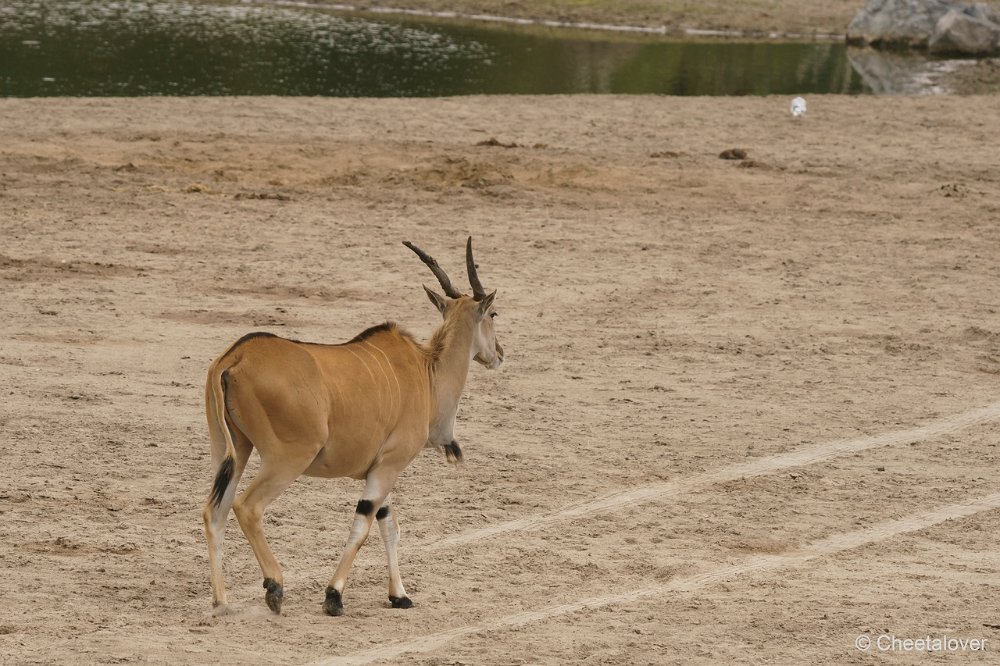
x=222, y=436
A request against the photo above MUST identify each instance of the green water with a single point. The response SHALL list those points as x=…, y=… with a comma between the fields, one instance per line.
x=99, y=48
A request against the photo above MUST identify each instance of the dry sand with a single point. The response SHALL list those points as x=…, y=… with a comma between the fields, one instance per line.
x=679, y=328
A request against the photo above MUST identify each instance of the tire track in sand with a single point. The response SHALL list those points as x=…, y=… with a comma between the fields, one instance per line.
x=808, y=455
x=757, y=467
x=759, y=563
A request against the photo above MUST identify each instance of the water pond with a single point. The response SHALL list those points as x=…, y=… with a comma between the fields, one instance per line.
x=103, y=48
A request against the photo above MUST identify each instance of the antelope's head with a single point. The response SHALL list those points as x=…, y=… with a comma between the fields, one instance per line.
x=476, y=311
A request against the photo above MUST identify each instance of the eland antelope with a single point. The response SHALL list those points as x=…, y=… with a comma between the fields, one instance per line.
x=362, y=409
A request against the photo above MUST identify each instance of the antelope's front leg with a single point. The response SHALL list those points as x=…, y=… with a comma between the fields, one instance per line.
x=388, y=525
x=377, y=487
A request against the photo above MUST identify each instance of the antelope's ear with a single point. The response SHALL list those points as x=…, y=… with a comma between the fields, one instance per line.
x=484, y=305
x=437, y=299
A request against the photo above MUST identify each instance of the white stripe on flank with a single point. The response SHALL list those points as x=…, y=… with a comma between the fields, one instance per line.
x=805, y=456
x=370, y=373
x=388, y=362
x=829, y=546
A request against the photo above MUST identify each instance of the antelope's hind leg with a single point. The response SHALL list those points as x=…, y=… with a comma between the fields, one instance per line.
x=216, y=516
x=271, y=481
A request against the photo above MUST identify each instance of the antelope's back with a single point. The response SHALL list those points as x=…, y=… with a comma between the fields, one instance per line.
x=380, y=403
x=348, y=398
x=378, y=380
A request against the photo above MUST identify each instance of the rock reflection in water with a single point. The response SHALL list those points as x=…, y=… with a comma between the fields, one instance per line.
x=901, y=73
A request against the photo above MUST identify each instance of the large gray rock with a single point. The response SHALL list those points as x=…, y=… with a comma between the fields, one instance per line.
x=970, y=31
x=897, y=22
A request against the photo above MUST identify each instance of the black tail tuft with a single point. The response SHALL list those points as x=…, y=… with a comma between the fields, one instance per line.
x=222, y=480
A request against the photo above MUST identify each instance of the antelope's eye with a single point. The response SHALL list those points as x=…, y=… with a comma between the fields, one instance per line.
x=493, y=315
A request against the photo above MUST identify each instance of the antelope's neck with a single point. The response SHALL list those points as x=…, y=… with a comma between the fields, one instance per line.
x=451, y=367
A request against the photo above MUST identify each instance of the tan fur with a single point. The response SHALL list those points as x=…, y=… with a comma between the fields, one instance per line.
x=363, y=409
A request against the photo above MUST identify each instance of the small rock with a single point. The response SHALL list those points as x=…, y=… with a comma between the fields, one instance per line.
x=495, y=142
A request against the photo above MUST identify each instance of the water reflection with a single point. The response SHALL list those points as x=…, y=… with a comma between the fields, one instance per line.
x=159, y=48
x=893, y=73
x=97, y=48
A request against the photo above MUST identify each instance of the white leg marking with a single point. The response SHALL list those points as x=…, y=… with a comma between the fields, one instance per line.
x=374, y=495
x=389, y=529
x=829, y=546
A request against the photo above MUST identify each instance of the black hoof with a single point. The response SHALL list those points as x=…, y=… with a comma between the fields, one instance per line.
x=333, y=604
x=452, y=453
x=400, y=602
x=274, y=596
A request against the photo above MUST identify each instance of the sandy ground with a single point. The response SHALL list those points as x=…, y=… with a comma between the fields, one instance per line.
x=678, y=463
